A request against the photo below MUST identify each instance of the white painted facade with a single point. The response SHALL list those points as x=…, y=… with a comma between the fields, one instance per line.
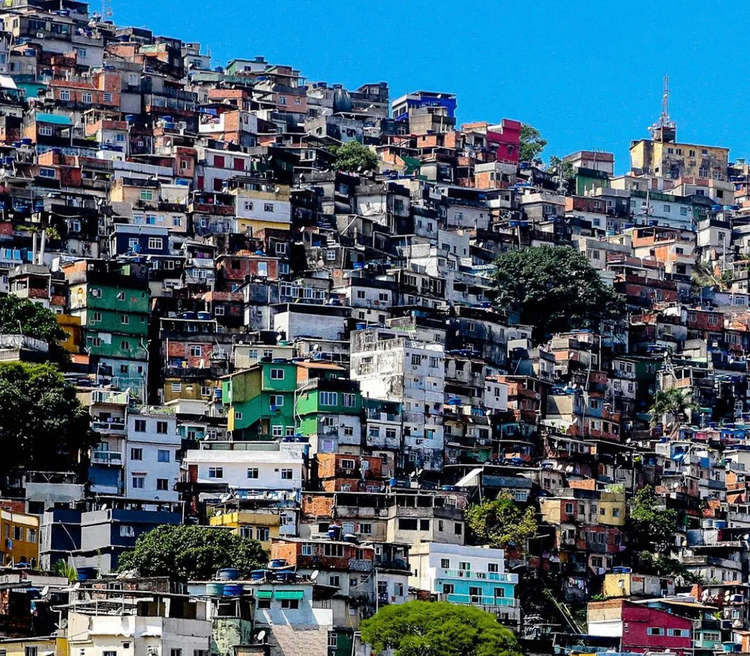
x=151, y=467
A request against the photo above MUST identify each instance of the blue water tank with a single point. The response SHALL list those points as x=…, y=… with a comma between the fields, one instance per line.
x=229, y=574
x=233, y=589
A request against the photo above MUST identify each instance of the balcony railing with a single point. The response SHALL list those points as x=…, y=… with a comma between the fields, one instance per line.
x=99, y=457
x=481, y=600
x=477, y=575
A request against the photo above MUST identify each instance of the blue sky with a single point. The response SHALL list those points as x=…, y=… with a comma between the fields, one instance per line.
x=587, y=74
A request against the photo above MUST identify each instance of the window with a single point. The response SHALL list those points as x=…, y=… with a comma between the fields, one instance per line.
x=277, y=431
x=252, y=472
x=277, y=374
x=264, y=603
x=445, y=563
x=161, y=427
x=263, y=534
x=365, y=529
x=463, y=565
x=108, y=99
x=139, y=482
x=328, y=398
x=175, y=652
x=458, y=528
x=492, y=567
x=47, y=173
x=237, y=415
x=195, y=350
x=155, y=243
x=424, y=524
x=407, y=524
x=268, y=207
x=654, y=631
x=162, y=455
x=87, y=98
x=277, y=401
x=307, y=549
x=333, y=579
x=64, y=94
x=349, y=400
x=136, y=454
x=286, y=474
x=448, y=588
x=216, y=472
x=147, y=194
x=678, y=633
x=114, y=653
x=162, y=484
x=332, y=639
x=475, y=593
x=499, y=593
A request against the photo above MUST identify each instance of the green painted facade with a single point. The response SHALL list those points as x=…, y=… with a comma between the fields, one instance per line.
x=329, y=397
x=260, y=400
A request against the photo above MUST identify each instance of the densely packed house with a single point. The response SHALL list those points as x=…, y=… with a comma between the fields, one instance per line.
x=308, y=354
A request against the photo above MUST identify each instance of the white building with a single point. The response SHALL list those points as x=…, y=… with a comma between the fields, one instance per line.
x=129, y=627
x=255, y=467
x=151, y=467
x=394, y=368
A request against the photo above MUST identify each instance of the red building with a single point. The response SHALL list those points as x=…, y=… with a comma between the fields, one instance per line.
x=640, y=627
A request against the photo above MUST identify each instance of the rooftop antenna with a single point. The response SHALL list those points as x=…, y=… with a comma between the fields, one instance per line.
x=106, y=10
x=665, y=128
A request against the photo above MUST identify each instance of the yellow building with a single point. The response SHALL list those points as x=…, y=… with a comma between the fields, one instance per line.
x=190, y=390
x=72, y=327
x=20, y=537
x=260, y=205
x=629, y=584
x=612, y=508
x=255, y=524
x=33, y=646
x=669, y=159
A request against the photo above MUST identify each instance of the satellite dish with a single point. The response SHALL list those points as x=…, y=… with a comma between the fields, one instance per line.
x=77, y=585
x=261, y=636
x=45, y=591
x=314, y=575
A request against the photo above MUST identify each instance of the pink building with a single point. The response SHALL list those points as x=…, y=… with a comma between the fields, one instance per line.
x=640, y=627
x=506, y=138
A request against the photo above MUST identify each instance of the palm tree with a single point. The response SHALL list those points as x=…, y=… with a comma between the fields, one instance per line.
x=673, y=405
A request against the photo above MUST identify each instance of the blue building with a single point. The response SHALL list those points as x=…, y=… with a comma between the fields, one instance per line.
x=466, y=575
x=406, y=104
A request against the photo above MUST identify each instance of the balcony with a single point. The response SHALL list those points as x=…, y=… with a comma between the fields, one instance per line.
x=102, y=457
x=111, y=425
x=481, y=600
x=478, y=576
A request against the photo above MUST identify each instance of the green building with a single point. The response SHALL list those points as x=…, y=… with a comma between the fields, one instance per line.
x=329, y=412
x=260, y=400
x=113, y=303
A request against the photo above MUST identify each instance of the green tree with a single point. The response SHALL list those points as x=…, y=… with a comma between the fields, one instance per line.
x=501, y=523
x=555, y=288
x=355, y=157
x=671, y=405
x=192, y=552
x=564, y=170
x=421, y=628
x=33, y=319
x=42, y=423
x=62, y=568
x=531, y=143
x=651, y=527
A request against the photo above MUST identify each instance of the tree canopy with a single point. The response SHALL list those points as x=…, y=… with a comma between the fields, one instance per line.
x=501, y=523
x=192, y=552
x=33, y=319
x=43, y=424
x=555, y=288
x=353, y=156
x=650, y=527
x=673, y=404
x=531, y=143
x=421, y=628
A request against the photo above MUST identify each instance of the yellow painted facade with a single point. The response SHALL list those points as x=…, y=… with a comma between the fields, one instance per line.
x=189, y=390
x=46, y=645
x=612, y=508
x=72, y=327
x=256, y=224
x=678, y=160
x=261, y=526
x=20, y=537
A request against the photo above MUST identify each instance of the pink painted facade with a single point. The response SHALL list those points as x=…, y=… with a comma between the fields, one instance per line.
x=507, y=139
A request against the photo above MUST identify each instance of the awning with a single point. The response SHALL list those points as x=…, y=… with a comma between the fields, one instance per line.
x=264, y=594
x=289, y=594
